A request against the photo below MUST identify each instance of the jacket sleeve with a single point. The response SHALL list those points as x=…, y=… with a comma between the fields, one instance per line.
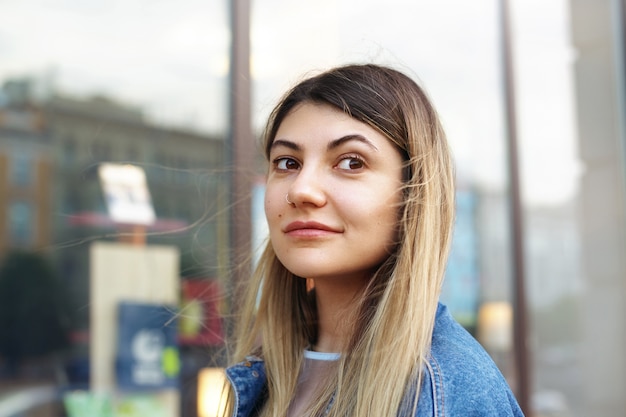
x=461, y=379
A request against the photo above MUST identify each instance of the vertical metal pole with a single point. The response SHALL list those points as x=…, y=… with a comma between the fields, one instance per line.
x=618, y=19
x=241, y=148
x=520, y=327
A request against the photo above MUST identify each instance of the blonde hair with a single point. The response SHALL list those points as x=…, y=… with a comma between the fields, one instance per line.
x=380, y=374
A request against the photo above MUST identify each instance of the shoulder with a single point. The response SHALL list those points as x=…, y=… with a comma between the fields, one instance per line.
x=248, y=381
x=463, y=378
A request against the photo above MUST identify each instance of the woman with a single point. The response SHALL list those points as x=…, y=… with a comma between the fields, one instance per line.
x=360, y=207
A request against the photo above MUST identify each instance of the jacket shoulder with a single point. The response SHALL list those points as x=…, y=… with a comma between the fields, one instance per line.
x=463, y=377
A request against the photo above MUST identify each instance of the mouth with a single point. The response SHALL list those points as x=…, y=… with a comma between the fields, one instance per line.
x=308, y=229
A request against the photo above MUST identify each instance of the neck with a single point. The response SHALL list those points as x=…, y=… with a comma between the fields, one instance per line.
x=337, y=304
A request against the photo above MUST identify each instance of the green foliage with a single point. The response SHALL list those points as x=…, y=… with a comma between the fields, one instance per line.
x=33, y=307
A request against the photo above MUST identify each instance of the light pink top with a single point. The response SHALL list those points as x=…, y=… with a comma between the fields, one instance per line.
x=316, y=368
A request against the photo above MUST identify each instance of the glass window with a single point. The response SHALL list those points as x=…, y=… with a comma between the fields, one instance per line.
x=147, y=83
x=452, y=49
x=21, y=169
x=569, y=94
x=20, y=221
x=69, y=152
x=139, y=82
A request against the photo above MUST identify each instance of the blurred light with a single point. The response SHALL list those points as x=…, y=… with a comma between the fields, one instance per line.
x=212, y=395
x=495, y=326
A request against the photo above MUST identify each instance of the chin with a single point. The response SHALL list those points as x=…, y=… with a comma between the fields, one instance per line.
x=300, y=272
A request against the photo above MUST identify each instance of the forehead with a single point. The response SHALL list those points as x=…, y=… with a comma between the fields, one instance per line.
x=315, y=123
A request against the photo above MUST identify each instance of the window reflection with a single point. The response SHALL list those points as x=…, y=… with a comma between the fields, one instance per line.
x=21, y=170
x=146, y=83
x=20, y=220
x=142, y=83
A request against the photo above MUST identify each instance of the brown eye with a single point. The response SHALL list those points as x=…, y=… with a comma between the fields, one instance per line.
x=286, y=164
x=350, y=163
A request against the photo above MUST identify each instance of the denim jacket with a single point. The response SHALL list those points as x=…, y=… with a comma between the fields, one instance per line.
x=460, y=378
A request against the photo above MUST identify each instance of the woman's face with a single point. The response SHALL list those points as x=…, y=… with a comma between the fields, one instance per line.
x=343, y=179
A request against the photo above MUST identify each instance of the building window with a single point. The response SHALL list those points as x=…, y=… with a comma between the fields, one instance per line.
x=20, y=170
x=101, y=151
x=21, y=222
x=69, y=152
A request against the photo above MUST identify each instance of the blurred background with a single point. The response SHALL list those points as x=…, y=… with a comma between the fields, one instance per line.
x=117, y=286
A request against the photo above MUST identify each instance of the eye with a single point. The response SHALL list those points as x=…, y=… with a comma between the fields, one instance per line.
x=351, y=163
x=286, y=164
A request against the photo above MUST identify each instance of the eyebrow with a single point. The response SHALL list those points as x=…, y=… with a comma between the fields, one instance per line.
x=338, y=142
x=286, y=143
x=331, y=145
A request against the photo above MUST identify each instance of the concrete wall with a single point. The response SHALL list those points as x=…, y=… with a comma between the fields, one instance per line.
x=599, y=77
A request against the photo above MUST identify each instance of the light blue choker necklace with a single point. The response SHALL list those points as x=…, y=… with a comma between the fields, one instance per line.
x=321, y=356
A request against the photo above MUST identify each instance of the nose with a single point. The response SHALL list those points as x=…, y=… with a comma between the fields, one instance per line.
x=308, y=189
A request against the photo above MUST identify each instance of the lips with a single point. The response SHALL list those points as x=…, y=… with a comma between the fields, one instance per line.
x=308, y=228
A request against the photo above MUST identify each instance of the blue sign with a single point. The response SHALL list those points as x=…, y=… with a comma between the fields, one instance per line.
x=147, y=351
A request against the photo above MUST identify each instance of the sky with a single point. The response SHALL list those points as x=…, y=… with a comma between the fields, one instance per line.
x=171, y=59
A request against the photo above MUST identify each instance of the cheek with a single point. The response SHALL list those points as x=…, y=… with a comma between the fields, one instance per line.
x=268, y=207
x=273, y=211
x=389, y=215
